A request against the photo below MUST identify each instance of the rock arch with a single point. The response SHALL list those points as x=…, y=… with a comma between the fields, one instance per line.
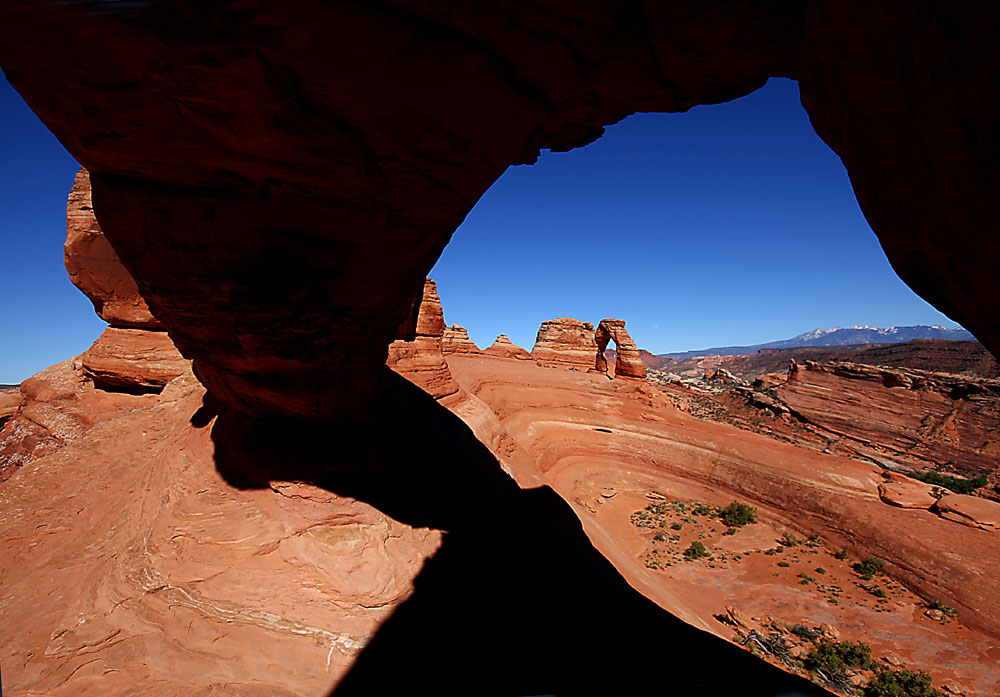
x=629, y=362
x=280, y=182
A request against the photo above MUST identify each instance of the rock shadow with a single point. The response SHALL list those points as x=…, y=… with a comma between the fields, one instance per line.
x=517, y=601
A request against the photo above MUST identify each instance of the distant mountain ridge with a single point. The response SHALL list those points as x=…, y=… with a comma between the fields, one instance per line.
x=836, y=336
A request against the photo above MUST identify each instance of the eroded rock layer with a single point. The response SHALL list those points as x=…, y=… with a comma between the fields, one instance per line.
x=505, y=348
x=565, y=342
x=909, y=415
x=94, y=267
x=456, y=340
x=421, y=361
x=628, y=361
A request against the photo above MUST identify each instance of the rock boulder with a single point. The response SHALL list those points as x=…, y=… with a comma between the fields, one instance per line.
x=565, y=341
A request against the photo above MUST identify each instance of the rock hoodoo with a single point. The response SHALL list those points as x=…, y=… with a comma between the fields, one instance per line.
x=421, y=361
x=628, y=363
x=456, y=340
x=505, y=348
x=565, y=341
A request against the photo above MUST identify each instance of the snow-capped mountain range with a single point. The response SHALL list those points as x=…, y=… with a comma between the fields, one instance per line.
x=839, y=336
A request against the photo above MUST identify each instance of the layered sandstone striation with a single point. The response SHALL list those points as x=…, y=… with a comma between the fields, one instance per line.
x=567, y=342
x=970, y=510
x=456, y=340
x=505, y=348
x=421, y=360
x=628, y=361
x=915, y=418
x=94, y=267
x=133, y=359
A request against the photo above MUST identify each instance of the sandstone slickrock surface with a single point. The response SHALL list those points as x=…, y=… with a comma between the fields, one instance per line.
x=565, y=341
x=587, y=434
x=421, y=361
x=505, y=348
x=970, y=510
x=10, y=400
x=329, y=138
x=133, y=358
x=905, y=492
x=94, y=267
x=456, y=340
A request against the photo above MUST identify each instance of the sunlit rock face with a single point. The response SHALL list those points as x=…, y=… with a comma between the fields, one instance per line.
x=628, y=361
x=565, y=341
x=421, y=361
x=94, y=267
x=281, y=184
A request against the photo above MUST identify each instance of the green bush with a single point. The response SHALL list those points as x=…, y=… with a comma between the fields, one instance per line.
x=956, y=484
x=869, y=566
x=783, y=563
x=695, y=551
x=900, y=683
x=737, y=514
x=789, y=540
x=838, y=655
x=841, y=555
x=677, y=525
x=804, y=632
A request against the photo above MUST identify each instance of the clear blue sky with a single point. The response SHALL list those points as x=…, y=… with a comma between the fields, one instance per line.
x=728, y=225
x=731, y=224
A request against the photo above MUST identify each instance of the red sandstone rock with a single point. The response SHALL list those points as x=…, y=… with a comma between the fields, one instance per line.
x=345, y=171
x=456, y=340
x=133, y=358
x=9, y=403
x=628, y=361
x=94, y=267
x=973, y=511
x=906, y=492
x=916, y=418
x=565, y=341
x=421, y=361
x=505, y=348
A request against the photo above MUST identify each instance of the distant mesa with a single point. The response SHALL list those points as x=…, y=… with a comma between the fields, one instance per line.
x=505, y=348
x=456, y=340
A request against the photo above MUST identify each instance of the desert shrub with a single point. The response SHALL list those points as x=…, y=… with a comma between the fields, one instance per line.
x=877, y=592
x=783, y=563
x=833, y=655
x=938, y=605
x=804, y=632
x=806, y=579
x=789, y=540
x=695, y=551
x=819, y=570
x=731, y=531
x=777, y=550
x=869, y=566
x=841, y=555
x=900, y=683
x=677, y=525
x=705, y=509
x=956, y=484
x=737, y=514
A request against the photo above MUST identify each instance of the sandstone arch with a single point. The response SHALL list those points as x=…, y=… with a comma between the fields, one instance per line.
x=629, y=363
x=279, y=179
